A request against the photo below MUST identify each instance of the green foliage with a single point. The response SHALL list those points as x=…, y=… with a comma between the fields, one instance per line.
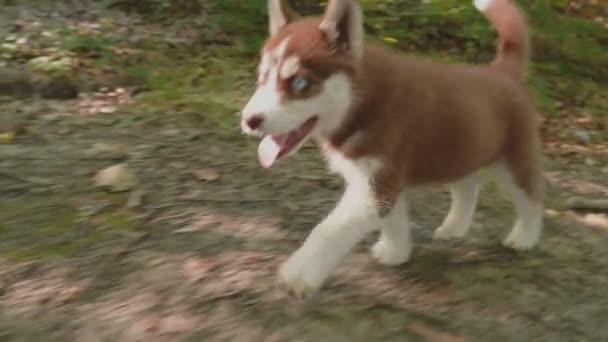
x=157, y=9
x=86, y=43
x=451, y=30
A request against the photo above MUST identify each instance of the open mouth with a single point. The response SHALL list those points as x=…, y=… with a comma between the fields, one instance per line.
x=275, y=146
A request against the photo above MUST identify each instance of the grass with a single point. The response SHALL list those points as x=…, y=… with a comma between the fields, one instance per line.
x=57, y=229
x=213, y=75
x=568, y=49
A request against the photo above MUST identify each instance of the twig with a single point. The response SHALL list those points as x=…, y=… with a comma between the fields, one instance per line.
x=579, y=203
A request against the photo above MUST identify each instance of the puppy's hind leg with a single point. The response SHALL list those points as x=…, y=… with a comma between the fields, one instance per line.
x=460, y=217
x=520, y=175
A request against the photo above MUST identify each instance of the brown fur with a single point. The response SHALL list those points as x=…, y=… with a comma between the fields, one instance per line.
x=429, y=121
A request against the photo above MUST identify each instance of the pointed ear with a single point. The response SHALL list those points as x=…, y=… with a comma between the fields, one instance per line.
x=343, y=26
x=279, y=15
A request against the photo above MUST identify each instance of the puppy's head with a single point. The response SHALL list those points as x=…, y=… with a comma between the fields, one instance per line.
x=305, y=75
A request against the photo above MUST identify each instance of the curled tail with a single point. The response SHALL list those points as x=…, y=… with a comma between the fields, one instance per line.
x=513, y=52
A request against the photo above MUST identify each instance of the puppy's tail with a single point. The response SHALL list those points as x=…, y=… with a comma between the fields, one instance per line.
x=513, y=53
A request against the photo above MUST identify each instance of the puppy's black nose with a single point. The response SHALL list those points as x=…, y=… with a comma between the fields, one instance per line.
x=254, y=122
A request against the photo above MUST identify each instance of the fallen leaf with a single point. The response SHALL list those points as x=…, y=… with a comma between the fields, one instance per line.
x=108, y=109
x=7, y=138
x=176, y=323
x=196, y=269
x=187, y=229
x=551, y=213
x=596, y=220
x=117, y=178
x=207, y=175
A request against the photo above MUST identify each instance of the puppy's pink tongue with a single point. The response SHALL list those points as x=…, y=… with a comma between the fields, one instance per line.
x=268, y=151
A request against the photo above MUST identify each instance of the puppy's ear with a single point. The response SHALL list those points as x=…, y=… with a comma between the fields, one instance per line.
x=279, y=15
x=342, y=25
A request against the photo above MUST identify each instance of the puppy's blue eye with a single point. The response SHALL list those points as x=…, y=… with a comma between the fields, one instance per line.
x=299, y=83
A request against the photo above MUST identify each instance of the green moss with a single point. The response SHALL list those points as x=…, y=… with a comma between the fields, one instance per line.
x=55, y=229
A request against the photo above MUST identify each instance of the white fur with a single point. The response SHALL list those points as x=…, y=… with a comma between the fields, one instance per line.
x=460, y=217
x=335, y=13
x=330, y=105
x=529, y=223
x=330, y=241
x=276, y=16
x=290, y=67
x=279, y=51
x=394, y=246
x=483, y=5
x=264, y=66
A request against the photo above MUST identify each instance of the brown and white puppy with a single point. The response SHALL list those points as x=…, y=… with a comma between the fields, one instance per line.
x=387, y=123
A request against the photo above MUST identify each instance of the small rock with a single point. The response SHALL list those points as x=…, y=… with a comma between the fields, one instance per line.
x=117, y=178
x=106, y=151
x=207, y=175
x=551, y=213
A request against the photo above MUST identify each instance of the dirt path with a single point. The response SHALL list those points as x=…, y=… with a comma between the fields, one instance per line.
x=195, y=260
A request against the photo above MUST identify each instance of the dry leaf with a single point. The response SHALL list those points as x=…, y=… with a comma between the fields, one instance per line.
x=7, y=138
x=177, y=323
x=196, y=269
x=596, y=220
x=107, y=109
x=187, y=229
x=207, y=175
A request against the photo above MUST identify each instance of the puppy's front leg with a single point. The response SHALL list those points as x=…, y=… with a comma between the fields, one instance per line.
x=355, y=216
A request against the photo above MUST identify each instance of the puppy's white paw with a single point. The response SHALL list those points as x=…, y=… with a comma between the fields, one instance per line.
x=390, y=255
x=299, y=278
x=521, y=239
x=449, y=232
